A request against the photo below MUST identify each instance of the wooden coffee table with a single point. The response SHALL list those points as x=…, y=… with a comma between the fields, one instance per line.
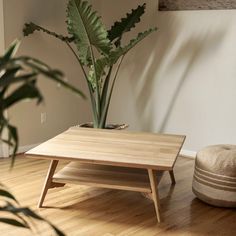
x=110, y=159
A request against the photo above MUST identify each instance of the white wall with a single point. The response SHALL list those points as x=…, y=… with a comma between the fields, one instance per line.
x=182, y=79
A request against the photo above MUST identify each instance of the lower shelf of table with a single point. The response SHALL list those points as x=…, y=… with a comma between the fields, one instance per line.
x=112, y=177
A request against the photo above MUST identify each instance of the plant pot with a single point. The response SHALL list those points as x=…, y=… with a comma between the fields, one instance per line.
x=109, y=126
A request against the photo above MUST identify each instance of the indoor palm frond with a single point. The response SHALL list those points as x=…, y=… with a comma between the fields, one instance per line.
x=22, y=72
x=19, y=216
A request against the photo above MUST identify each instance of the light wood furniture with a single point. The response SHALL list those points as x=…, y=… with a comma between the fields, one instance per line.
x=110, y=159
x=85, y=211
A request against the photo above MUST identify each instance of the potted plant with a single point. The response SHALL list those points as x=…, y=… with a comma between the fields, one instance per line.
x=18, y=81
x=99, y=52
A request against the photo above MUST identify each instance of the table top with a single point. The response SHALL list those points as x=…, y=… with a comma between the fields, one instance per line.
x=112, y=147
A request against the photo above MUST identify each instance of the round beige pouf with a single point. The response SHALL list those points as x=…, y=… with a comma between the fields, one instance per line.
x=214, y=180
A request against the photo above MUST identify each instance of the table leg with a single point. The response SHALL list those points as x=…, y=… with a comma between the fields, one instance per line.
x=48, y=182
x=172, y=176
x=155, y=196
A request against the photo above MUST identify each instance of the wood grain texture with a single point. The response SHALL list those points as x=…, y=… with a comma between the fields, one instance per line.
x=155, y=194
x=85, y=211
x=48, y=182
x=104, y=176
x=111, y=147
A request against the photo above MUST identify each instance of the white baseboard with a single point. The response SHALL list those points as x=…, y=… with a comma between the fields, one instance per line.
x=26, y=148
x=20, y=150
x=188, y=153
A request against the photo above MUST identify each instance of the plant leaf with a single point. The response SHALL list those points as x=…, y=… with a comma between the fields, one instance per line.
x=30, y=28
x=120, y=51
x=7, y=194
x=29, y=213
x=25, y=91
x=10, y=52
x=100, y=65
x=105, y=91
x=53, y=75
x=86, y=27
x=13, y=135
x=126, y=24
x=114, y=56
x=13, y=222
x=111, y=60
x=11, y=80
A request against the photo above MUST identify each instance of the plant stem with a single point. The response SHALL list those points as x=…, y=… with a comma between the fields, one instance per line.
x=105, y=111
x=96, y=89
x=105, y=88
x=94, y=112
x=76, y=56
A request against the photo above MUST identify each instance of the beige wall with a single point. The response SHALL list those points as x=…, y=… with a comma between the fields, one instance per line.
x=181, y=79
x=3, y=147
x=1, y=28
x=63, y=108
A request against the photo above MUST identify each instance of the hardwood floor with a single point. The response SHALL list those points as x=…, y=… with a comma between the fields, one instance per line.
x=87, y=211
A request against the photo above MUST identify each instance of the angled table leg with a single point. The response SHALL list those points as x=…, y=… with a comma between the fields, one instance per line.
x=172, y=176
x=48, y=182
x=155, y=196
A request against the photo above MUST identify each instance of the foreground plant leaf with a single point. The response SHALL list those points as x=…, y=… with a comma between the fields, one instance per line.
x=6, y=194
x=19, y=212
x=13, y=222
x=22, y=72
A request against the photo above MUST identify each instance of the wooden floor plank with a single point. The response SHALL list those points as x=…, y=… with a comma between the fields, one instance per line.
x=89, y=211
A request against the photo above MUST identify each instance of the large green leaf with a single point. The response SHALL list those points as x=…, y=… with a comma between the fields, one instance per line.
x=86, y=27
x=120, y=51
x=126, y=24
x=30, y=28
x=100, y=66
x=114, y=57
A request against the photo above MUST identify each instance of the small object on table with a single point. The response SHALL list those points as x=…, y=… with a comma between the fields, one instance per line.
x=113, y=159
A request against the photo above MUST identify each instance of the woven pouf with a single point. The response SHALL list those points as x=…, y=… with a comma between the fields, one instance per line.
x=214, y=180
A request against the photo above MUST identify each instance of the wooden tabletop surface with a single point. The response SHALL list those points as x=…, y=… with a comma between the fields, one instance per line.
x=112, y=147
